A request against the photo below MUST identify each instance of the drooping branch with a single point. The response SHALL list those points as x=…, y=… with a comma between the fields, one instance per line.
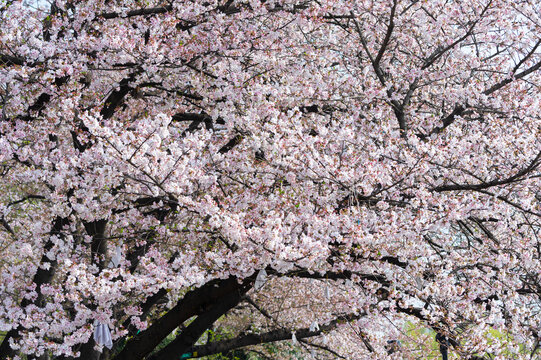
x=328, y=349
x=268, y=337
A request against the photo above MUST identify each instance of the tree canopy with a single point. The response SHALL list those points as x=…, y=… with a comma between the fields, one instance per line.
x=285, y=177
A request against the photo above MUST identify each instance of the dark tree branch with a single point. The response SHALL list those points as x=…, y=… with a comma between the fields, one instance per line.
x=27, y=197
x=191, y=304
x=98, y=246
x=398, y=108
x=43, y=99
x=149, y=303
x=98, y=251
x=509, y=80
x=385, y=43
x=138, y=12
x=461, y=109
x=196, y=120
x=264, y=312
x=497, y=182
x=444, y=346
x=440, y=51
x=446, y=121
x=160, y=214
x=231, y=144
x=530, y=53
x=43, y=276
x=343, y=275
x=115, y=98
x=8, y=60
x=193, y=332
x=325, y=348
x=271, y=336
x=6, y=225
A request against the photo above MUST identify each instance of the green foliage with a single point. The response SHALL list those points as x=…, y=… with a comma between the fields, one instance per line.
x=166, y=341
x=219, y=334
x=421, y=342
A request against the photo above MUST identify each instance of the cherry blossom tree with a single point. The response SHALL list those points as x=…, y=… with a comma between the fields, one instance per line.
x=309, y=174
